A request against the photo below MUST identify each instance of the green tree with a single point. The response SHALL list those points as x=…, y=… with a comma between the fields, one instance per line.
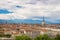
x=57, y=37
x=2, y=35
x=23, y=37
x=43, y=37
x=7, y=35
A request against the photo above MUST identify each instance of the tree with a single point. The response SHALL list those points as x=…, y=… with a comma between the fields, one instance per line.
x=43, y=37
x=8, y=35
x=57, y=37
x=23, y=37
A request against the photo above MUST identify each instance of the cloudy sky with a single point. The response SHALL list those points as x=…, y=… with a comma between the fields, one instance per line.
x=30, y=10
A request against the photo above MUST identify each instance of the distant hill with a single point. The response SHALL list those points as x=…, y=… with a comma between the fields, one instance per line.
x=27, y=21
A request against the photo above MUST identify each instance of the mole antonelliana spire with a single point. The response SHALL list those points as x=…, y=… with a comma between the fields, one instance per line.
x=43, y=21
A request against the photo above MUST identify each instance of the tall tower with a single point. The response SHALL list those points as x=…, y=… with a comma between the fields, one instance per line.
x=43, y=22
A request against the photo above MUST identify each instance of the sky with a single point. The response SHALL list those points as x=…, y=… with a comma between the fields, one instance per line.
x=30, y=10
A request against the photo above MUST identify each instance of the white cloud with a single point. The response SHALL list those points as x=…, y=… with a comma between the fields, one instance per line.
x=47, y=8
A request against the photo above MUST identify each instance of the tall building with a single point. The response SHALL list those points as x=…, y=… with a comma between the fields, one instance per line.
x=43, y=22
